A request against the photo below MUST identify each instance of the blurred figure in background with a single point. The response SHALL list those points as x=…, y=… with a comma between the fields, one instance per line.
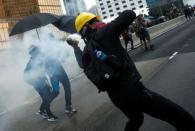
x=142, y=32
x=187, y=12
x=127, y=36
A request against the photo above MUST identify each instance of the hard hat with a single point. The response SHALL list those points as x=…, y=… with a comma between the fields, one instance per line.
x=83, y=18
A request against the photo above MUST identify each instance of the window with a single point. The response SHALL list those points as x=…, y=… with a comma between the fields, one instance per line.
x=108, y=2
x=110, y=10
x=125, y=6
x=112, y=15
x=141, y=6
x=103, y=13
x=118, y=8
x=123, y=2
x=101, y=3
x=116, y=3
x=132, y=4
x=100, y=0
x=130, y=0
x=134, y=8
x=109, y=6
x=139, y=1
x=102, y=8
x=105, y=17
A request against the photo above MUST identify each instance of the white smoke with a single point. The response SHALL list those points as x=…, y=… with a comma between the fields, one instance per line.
x=14, y=91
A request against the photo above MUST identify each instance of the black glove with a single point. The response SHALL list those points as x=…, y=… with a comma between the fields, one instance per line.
x=73, y=43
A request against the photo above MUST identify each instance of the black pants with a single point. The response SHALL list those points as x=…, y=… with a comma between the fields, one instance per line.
x=135, y=100
x=126, y=43
x=46, y=96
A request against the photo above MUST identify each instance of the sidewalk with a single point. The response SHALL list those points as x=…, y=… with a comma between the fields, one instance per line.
x=158, y=30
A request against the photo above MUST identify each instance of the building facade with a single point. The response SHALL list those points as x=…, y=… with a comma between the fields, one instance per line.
x=156, y=3
x=13, y=10
x=73, y=7
x=111, y=8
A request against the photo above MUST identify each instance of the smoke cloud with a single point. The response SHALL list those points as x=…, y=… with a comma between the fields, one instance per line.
x=14, y=91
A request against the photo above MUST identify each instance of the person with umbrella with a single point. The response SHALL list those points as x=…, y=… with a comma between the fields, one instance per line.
x=54, y=67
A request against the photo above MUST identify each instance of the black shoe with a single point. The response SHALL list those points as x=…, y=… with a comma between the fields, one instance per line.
x=42, y=114
x=52, y=118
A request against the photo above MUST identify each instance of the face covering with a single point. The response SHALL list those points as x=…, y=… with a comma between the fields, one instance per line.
x=86, y=31
x=99, y=25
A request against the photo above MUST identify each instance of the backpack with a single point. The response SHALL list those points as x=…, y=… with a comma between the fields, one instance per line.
x=101, y=72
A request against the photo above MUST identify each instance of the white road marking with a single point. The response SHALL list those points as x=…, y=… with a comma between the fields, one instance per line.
x=174, y=54
x=2, y=113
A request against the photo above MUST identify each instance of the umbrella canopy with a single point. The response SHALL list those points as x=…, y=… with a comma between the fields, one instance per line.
x=66, y=23
x=34, y=21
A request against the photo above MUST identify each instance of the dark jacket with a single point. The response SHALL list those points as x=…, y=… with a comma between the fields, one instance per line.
x=108, y=38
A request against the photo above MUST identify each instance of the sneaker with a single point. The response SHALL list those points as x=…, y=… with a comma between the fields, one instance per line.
x=52, y=118
x=42, y=114
x=72, y=111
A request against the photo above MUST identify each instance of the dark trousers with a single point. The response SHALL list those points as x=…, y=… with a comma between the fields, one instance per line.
x=126, y=43
x=46, y=96
x=64, y=80
x=135, y=100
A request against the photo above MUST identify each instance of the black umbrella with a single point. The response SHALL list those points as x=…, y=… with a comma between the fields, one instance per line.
x=33, y=22
x=66, y=23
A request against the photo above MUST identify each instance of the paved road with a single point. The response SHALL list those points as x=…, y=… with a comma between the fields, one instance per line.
x=173, y=78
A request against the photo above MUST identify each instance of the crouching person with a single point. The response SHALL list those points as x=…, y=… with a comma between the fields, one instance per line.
x=34, y=75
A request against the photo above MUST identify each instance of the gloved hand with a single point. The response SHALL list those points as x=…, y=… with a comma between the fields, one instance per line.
x=73, y=43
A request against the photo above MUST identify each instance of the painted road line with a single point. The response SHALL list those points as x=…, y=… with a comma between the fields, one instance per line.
x=2, y=113
x=174, y=54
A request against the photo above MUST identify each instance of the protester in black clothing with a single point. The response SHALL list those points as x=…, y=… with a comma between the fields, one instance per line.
x=187, y=13
x=34, y=74
x=127, y=36
x=124, y=89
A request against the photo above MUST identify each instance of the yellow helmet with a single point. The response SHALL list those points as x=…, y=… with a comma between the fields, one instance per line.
x=83, y=18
